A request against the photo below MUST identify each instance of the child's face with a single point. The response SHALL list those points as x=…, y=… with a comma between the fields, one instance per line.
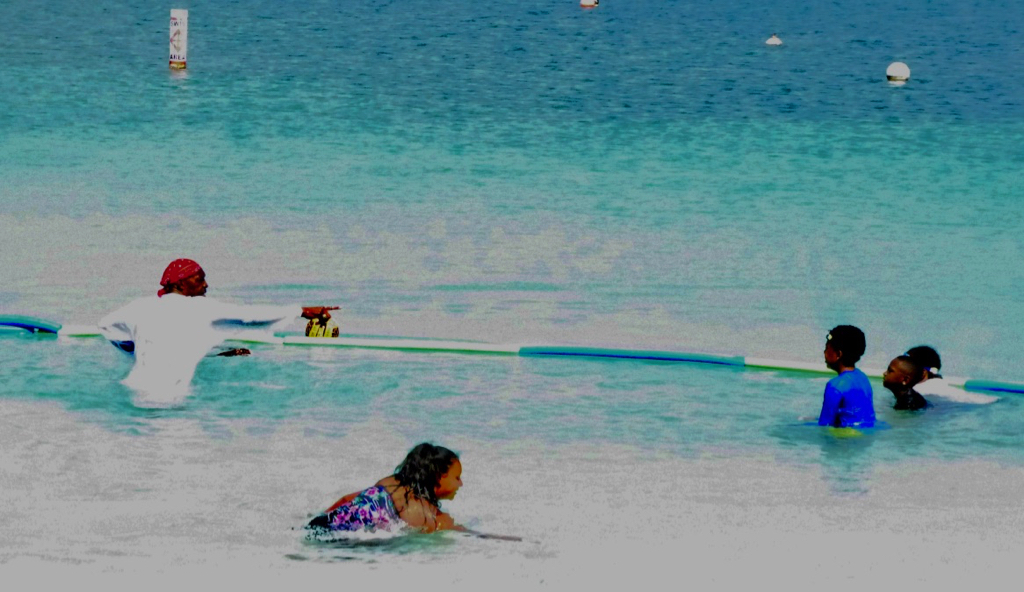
x=450, y=482
x=896, y=377
x=831, y=356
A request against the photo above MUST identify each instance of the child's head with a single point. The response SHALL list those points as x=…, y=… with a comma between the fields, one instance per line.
x=844, y=346
x=928, y=359
x=430, y=472
x=902, y=374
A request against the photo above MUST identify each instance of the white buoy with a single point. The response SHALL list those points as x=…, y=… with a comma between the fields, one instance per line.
x=897, y=72
x=773, y=40
x=588, y=3
x=179, y=38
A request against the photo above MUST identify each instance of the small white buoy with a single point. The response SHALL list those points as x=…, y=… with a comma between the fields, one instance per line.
x=179, y=38
x=773, y=40
x=897, y=72
x=588, y=3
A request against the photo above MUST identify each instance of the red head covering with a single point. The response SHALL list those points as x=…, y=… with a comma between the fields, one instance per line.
x=178, y=270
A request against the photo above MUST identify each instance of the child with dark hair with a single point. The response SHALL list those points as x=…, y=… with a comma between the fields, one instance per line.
x=410, y=497
x=848, y=401
x=934, y=385
x=929, y=360
x=900, y=377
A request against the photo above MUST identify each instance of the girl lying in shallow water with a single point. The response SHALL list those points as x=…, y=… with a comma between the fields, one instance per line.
x=411, y=497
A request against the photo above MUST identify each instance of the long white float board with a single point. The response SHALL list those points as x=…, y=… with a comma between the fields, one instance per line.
x=396, y=343
x=433, y=345
x=410, y=344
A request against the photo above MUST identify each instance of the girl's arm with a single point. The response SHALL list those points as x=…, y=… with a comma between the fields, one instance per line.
x=420, y=515
x=424, y=516
x=444, y=521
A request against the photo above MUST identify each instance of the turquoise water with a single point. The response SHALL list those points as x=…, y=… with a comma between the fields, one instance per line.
x=644, y=175
x=675, y=408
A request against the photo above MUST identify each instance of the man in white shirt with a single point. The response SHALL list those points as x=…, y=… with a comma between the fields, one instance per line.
x=171, y=332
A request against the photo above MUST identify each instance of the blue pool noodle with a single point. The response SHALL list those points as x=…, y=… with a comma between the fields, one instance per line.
x=31, y=324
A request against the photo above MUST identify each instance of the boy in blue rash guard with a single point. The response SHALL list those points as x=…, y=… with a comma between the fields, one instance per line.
x=848, y=401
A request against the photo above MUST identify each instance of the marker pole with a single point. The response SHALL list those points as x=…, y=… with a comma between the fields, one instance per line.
x=179, y=38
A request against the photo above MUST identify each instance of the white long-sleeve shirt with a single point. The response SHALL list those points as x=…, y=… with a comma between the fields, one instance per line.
x=173, y=333
x=938, y=387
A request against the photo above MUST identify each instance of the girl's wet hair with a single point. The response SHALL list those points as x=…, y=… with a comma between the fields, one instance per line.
x=927, y=358
x=422, y=469
x=849, y=341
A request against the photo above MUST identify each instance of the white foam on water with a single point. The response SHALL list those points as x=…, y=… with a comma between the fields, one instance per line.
x=187, y=498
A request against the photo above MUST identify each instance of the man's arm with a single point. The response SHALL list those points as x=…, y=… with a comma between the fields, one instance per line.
x=255, y=316
x=117, y=327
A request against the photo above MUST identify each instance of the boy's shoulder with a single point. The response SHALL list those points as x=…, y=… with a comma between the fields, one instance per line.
x=849, y=379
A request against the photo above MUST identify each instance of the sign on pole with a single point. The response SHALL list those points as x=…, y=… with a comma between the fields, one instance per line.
x=179, y=38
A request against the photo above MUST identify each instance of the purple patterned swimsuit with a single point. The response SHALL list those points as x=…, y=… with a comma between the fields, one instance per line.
x=371, y=510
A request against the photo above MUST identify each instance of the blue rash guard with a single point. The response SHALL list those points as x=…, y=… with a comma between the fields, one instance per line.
x=848, y=402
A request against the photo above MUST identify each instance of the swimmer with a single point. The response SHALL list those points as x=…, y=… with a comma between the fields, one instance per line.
x=410, y=498
x=900, y=377
x=934, y=385
x=848, y=397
